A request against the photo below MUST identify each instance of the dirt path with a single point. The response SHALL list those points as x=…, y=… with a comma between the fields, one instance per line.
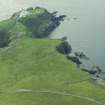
x=60, y=93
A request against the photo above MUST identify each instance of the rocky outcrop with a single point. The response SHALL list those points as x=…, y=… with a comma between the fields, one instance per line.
x=4, y=38
x=64, y=48
x=40, y=22
x=93, y=72
x=74, y=59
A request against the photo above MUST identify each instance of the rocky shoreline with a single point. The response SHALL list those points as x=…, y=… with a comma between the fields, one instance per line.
x=65, y=48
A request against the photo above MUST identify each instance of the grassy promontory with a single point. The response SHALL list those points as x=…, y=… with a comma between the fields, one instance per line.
x=33, y=22
x=32, y=72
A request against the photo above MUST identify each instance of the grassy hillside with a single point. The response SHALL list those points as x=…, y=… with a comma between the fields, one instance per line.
x=32, y=72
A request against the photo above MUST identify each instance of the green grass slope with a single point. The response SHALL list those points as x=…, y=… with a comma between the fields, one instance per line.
x=34, y=73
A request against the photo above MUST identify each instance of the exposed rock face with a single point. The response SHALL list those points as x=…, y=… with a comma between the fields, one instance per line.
x=81, y=55
x=90, y=71
x=75, y=60
x=64, y=48
x=4, y=39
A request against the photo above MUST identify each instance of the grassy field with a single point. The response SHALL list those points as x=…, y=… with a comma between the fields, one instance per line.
x=32, y=72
